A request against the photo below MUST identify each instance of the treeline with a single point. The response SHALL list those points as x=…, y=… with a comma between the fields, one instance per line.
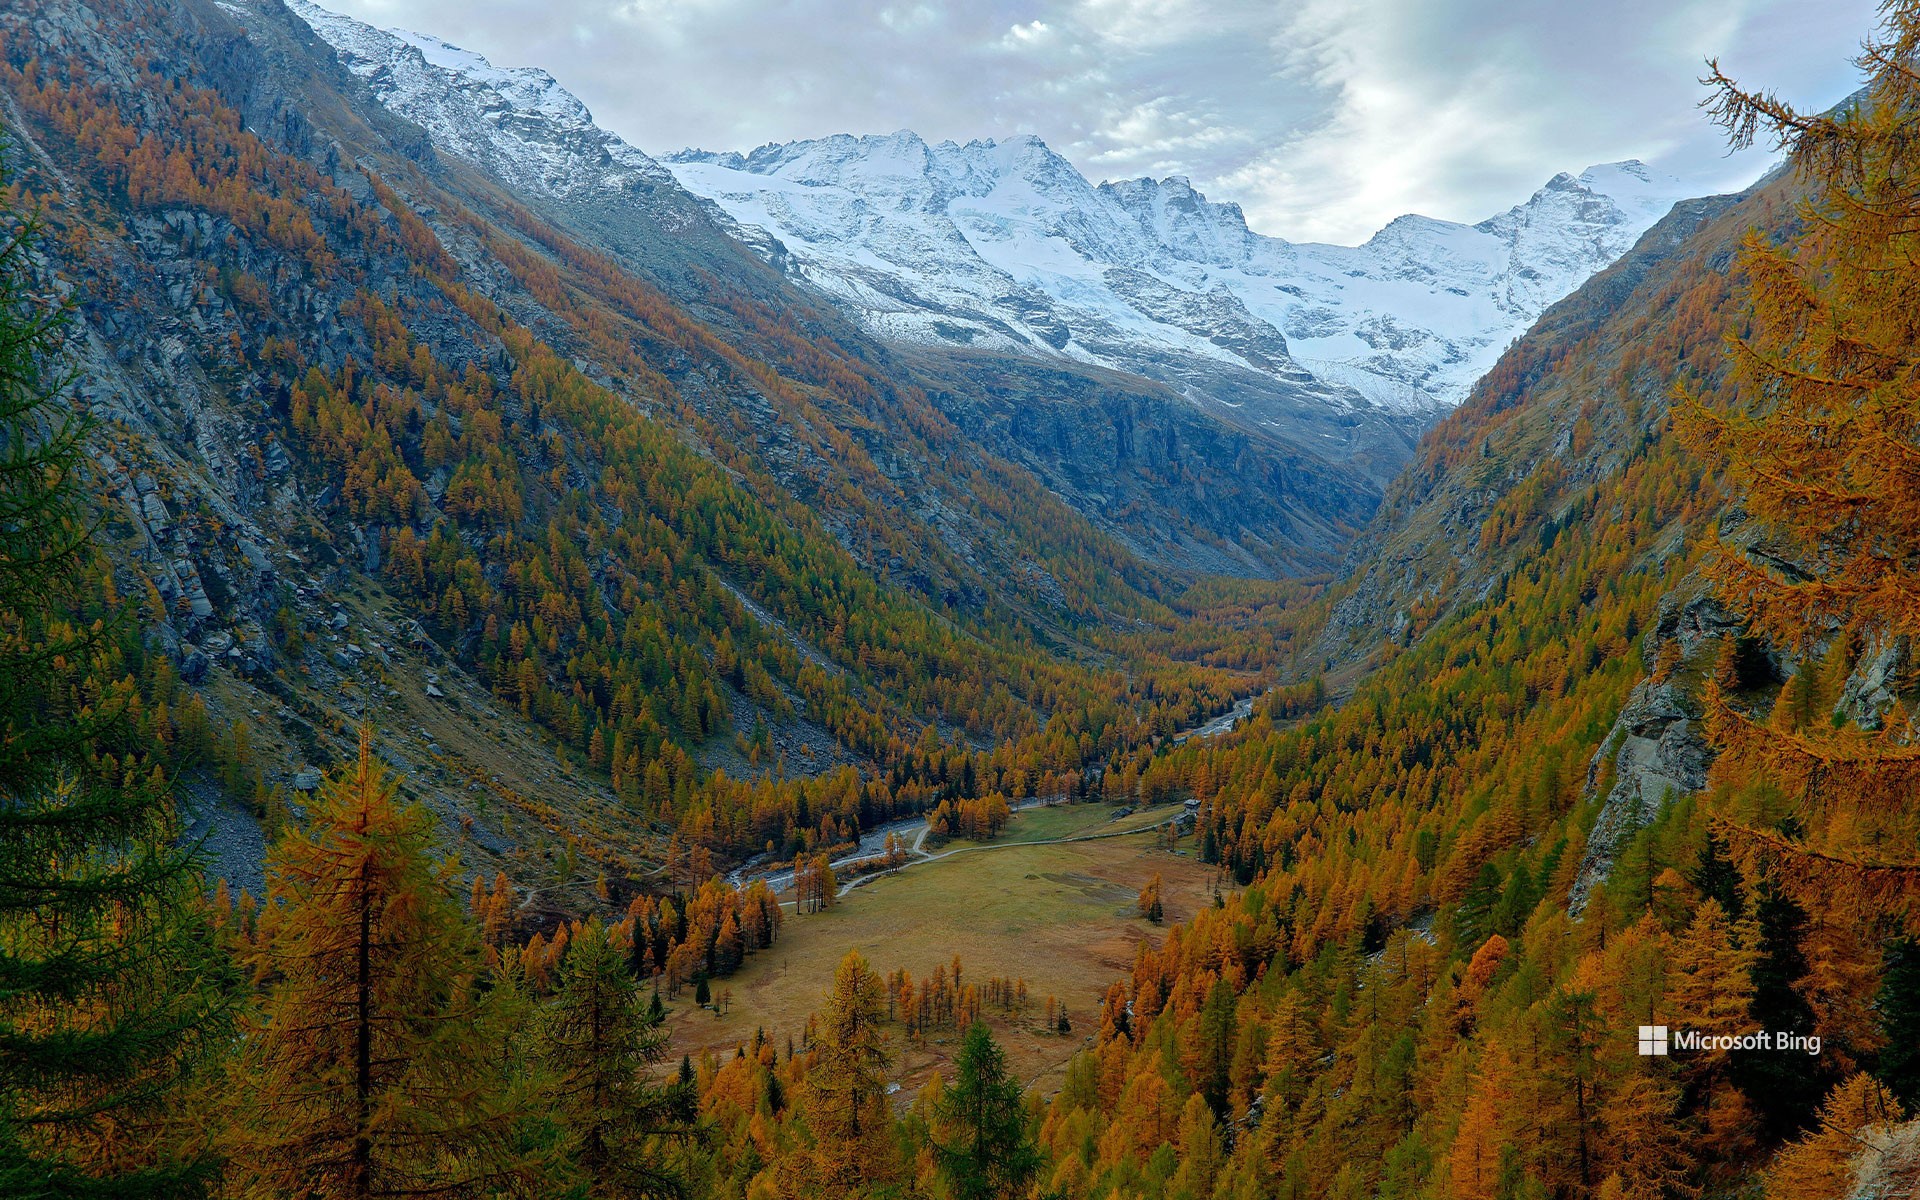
x=944, y=1000
x=979, y=820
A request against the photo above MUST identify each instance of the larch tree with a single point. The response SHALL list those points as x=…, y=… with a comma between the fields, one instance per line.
x=980, y=1136
x=1820, y=445
x=601, y=1045
x=1201, y=1152
x=1710, y=973
x=372, y=1069
x=112, y=989
x=1475, y=1161
x=845, y=1099
x=1647, y=1142
x=1574, y=1036
x=1148, y=903
x=1821, y=1165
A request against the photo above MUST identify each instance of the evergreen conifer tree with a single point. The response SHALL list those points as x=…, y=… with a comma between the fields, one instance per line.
x=981, y=1139
x=111, y=987
x=1784, y=1089
x=1898, y=1063
x=600, y=1043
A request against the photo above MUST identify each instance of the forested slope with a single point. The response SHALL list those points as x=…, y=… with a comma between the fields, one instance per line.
x=382, y=441
x=1468, y=885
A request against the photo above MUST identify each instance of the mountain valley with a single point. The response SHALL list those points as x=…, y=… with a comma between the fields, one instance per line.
x=1017, y=688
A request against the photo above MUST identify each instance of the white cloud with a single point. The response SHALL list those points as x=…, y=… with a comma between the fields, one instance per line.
x=1157, y=128
x=906, y=18
x=1141, y=24
x=1019, y=36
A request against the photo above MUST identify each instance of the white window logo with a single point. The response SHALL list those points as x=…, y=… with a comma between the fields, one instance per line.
x=1653, y=1039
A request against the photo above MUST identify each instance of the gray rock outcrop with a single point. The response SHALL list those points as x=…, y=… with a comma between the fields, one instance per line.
x=1656, y=744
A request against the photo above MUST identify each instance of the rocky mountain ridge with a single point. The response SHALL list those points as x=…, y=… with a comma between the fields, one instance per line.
x=1004, y=245
x=518, y=124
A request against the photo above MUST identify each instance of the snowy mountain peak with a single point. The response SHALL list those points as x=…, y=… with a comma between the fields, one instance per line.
x=1005, y=245
x=517, y=122
x=527, y=89
x=901, y=164
x=1632, y=184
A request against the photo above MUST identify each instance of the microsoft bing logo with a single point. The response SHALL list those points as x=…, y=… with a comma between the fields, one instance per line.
x=1661, y=1040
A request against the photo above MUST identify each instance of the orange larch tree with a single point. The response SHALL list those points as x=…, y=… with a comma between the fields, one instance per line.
x=369, y=1071
x=1821, y=448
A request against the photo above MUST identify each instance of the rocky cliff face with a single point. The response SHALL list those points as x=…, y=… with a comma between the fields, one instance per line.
x=1656, y=750
x=1176, y=486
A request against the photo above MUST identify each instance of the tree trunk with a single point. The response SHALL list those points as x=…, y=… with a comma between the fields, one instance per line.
x=362, y=1169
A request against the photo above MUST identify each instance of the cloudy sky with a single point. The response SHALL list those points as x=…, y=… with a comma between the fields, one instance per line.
x=1322, y=118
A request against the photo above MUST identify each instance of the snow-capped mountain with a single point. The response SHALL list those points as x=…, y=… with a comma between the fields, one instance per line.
x=1267, y=391
x=1255, y=478
x=1004, y=245
x=517, y=123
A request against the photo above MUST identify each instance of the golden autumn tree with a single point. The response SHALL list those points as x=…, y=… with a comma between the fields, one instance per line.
x=369, y=1071
x=1821, y=447
x=1148, y=903
x=845, y=1098
x=1710, y=974
x=1646, y=1140
x=1820, y=1165
x=1485, y=1138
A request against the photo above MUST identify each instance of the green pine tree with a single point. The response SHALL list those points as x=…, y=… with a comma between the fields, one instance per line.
x=112, y=990
x=981, y=1140
x=1898, y=1003
x=600, y=1047
x=1784, y=1089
